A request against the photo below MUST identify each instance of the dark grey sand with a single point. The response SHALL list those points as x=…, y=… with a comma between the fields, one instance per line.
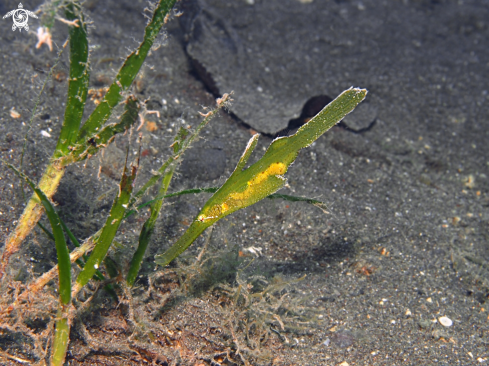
x=406, y=238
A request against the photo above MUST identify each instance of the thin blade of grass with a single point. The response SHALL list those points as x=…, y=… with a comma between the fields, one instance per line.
x=185, y=144
x=265, y=177
x=49, y=10
x=61, y=336
x=147, y=231
x=127, y=72
x=103, y=138
x=109, y=229
x=48, y=233
x=62, y=328
x=76, y=243
x=286, y=197
x=78, y=81
x=81, y=262
x=64, y=263
x=148, y=227
x=41, y=281
x=181, y=143
x=111, y=267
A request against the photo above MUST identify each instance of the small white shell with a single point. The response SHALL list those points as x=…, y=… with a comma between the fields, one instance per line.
x=445, y=321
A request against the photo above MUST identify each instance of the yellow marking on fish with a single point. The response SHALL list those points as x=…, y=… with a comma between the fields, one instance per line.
x=253, y=184
x=239, y=199
x=274, y=169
